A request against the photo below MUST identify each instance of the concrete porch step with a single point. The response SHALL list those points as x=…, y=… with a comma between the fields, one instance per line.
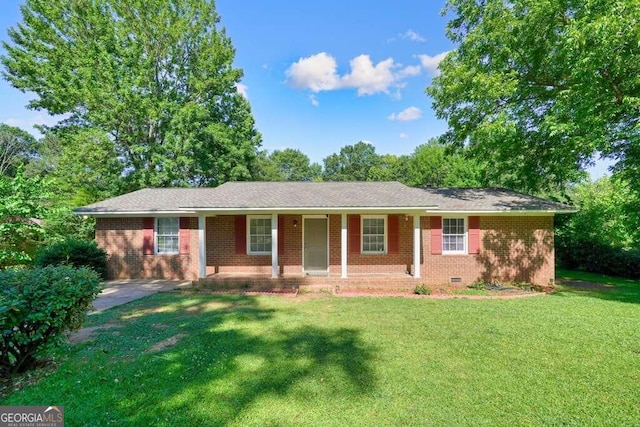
x=398, y=283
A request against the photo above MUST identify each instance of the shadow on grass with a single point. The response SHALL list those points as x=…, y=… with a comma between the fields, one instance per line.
x=570, y=282
x=231, y=354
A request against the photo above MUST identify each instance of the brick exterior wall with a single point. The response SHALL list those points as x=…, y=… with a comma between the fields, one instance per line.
x=512, y=248
x=398, y=263
x=221, y=250
x=122, y=239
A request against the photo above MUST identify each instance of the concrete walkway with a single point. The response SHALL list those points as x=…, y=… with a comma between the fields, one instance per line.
x=118, y=292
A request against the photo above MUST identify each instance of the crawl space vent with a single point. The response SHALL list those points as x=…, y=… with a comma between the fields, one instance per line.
x=456, y=280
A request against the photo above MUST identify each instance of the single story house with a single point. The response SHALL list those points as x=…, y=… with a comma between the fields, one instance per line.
x=332, y=231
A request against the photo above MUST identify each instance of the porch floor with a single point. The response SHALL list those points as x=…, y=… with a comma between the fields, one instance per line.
x=399, y=282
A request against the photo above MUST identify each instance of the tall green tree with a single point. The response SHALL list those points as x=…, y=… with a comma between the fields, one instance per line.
x=155, y=77
x=541, y=88
x=21, y=212
x=603, y=236
x=353, y=163
x=286, y=165
x=431, y=164
x=389, y=167
x=81, y=163
x=607, y=215
x=17, y=148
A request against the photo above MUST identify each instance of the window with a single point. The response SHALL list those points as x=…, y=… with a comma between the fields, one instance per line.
x=259, y=234
x=167, y=235
x=453, y=236
x=374, y=239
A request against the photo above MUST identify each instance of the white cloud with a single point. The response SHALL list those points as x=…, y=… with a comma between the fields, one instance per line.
x=409, y=71
x=368, y=78
x=314, y=100
x=242, y=89
x=411, y=113
x=317, y=72
x=13, y=122
x=430, y=63
x=404, y=136
x=413, y=36
x=28, y=122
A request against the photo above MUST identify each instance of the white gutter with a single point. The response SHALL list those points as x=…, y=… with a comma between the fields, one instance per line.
x=321, y=209
x=135, y=213
x=308, y=210
x=514, y=212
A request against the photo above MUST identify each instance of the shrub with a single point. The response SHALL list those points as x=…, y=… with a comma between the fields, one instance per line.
x=597, y=257
x=37, y=307
x=479, y=285
x=78, y=253
x=422, y=290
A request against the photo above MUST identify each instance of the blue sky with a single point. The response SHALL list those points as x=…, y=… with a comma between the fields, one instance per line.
x=319, y=75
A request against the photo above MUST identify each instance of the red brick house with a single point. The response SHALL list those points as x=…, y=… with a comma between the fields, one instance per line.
x=339, y=231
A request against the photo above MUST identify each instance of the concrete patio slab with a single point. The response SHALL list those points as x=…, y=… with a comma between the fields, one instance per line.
x=118, y=292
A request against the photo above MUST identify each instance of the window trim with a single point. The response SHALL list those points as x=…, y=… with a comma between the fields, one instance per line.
x=249, y=218
x=156, y=246
x=386, y=234
x=465, y=239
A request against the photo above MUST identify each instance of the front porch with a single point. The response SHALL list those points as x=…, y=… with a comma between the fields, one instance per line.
x=311, y=249
x=330, y=282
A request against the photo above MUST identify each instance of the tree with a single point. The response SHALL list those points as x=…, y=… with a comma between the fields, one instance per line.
x=286, y=165
x=603, y=236
x=432, y=165
x=353, y=163
x=82, y=165
x=21, y=210
x=607, y=215
x=389, y=168
x=17, y=148
x=540, y=89
x=153, y=77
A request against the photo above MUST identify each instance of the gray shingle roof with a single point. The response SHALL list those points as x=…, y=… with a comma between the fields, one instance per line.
x=489, y=200
x=147, y=200
x=319, y=195
x=308, y=195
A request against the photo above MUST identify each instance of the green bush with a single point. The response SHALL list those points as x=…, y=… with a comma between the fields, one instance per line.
x=604, y=235
x=37, y=307
x=422, y=290
x=479, y=285
x=78, y=253
x=596, y=257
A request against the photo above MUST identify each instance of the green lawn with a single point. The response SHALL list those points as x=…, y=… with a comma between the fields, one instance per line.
x=571, y=358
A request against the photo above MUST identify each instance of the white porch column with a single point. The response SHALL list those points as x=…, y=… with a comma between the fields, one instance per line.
x=416, y=245
x=343, y=246
x=202, y=247
x=274, y=245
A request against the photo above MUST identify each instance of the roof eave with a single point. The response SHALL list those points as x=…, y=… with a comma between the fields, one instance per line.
x=506, y=212
x=313, y=210
x=192, y=211
x=182, y=212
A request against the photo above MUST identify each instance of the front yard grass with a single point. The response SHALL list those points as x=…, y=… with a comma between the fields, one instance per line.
x=598, y=286
x=569, y=358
